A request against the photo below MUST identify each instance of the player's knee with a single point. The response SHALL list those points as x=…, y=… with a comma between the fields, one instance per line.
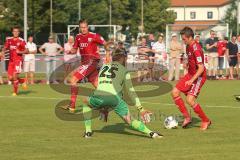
x=73, y=81
x=190, y=100
x=175, y=92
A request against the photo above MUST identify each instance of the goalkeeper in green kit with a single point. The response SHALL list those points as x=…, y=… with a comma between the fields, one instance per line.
x=111, y=80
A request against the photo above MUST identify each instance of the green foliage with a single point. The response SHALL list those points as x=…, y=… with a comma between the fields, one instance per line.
x=124, y=12
x=231, y=17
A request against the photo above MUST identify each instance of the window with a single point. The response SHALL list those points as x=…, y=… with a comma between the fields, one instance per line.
x=209, y=15
x=193, y=15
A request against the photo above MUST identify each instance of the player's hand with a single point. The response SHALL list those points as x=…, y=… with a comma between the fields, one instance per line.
x=145, y=115
x=189, y=83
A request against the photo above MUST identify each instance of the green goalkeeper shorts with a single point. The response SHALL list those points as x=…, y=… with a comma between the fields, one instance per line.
x=118, y=104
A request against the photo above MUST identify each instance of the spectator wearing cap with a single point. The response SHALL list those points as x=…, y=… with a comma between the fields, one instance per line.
x=159, y=48
x=174, y=58
x=231, y=54
x=29, y=60
x=69, y=59
x=211, y=45
x=50, y=49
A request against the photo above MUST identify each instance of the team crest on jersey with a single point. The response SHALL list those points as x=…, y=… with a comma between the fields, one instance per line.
x=199, y=59
x=89, y=39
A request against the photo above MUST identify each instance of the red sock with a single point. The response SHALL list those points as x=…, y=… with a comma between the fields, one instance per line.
x=15, y=86
x=21, y=80
x=198, y=110
x=74, y=93
x=181, y=106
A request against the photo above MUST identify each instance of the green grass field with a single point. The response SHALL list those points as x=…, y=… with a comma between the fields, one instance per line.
x=29, y=129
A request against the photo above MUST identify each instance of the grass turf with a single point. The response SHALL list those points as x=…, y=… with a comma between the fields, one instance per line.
x=29, y=129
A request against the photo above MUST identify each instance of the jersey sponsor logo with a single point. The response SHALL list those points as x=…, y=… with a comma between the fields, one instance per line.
x=199, y=59
x=13, y=47
x=83, y=45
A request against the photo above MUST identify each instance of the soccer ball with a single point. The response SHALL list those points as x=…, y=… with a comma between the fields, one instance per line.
x=170, y=122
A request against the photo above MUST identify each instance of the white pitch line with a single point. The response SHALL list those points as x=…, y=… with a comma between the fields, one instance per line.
x=166, y=104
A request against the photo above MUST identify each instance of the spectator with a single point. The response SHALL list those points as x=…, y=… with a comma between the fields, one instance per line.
x=69, y=59
x=226, y=59
x=231, y=52
x=221, y=46
x=238, y=55
x=175, y=58
x=29, y=60
x=151, y=56
x=160, y=51
x=143, y=60
x=197, y=39
x=211, y=45
x=1, y=66
x=50, y=50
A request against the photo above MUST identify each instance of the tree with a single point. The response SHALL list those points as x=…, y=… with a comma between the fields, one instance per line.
x=231, y=17
x=124, y=12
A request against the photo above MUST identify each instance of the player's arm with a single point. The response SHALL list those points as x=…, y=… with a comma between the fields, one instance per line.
x=5, y=49
x=145, y=114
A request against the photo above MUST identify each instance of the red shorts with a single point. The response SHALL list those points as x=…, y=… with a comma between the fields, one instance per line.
x=87, y=70
x=14, y=68
x=193, y=89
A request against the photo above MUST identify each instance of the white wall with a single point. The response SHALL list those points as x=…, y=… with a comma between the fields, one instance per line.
x=201, y=13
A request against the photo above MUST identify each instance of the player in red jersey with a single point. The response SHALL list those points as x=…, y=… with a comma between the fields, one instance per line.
x=16, y=47
x=192, y=82
x=87, y=42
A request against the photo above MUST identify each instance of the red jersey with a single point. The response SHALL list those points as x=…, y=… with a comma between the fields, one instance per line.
x=88, y=45
x=221, y=46
x=195, y=57
x=12, y=44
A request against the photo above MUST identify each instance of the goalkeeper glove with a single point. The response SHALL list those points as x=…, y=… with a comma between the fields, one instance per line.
x=145, y=115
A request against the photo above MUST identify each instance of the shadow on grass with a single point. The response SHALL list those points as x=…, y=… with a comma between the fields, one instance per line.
x=119, y=128
x=26, y=92
x=195, y=123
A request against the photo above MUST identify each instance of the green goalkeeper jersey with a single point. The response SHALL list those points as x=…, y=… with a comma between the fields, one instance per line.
x=112, y=79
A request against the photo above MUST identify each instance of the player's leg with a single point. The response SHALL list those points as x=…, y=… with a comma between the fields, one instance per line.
x=191, y=100
x=181, y=87
x=87, y=115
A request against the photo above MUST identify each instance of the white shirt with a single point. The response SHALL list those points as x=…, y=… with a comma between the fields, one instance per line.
x=31, y=47
x=51, y=49
x=159, y=47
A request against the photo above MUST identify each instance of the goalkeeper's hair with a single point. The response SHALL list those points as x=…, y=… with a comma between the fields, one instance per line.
x=188, y=32
x=83, y=21
x=15, y=27
x=118, y=54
